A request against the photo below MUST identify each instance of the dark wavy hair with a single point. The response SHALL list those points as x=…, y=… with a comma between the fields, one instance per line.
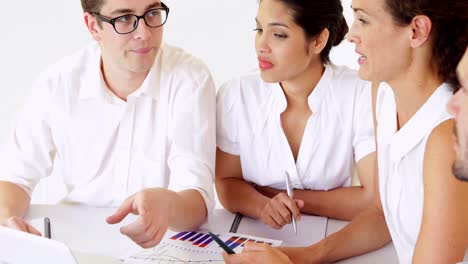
x=314, y=16
x=449, y=30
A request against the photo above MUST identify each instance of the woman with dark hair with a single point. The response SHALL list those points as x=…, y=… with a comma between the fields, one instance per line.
x=410, y=47
x=300, y=116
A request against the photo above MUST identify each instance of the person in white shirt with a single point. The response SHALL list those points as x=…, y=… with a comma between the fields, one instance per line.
x=458, y=107
x=411, y=48
x=299, y=115
x=126, y=121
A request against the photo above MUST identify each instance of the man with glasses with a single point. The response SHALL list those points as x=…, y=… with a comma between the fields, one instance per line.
x=126, y=121
x=458, y=107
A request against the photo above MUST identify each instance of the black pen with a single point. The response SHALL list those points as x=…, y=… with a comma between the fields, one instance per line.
x=235, y=223
x=221, y=243
x=47, y=233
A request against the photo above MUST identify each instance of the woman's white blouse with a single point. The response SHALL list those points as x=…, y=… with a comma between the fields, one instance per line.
x=401, y=158
x=338, y=133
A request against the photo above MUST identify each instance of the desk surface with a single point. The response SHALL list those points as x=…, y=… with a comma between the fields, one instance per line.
x=84, y=229
x=387, y=254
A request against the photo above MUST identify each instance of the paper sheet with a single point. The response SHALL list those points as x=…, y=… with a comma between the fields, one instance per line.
x=19, y=247
x=193, y=247
x=310, y=230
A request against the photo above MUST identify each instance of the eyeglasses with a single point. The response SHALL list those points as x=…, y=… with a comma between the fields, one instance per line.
x=126, y=24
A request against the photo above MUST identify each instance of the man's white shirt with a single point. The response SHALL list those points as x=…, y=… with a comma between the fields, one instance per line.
x=106, y=149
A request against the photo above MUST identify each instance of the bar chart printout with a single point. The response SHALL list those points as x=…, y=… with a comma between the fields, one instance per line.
x=193, y=247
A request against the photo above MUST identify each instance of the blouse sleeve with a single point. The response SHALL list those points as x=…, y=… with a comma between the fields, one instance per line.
x=363, y=142
x=227, y=135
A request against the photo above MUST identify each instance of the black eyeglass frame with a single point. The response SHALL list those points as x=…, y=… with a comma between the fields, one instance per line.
x=111, y=21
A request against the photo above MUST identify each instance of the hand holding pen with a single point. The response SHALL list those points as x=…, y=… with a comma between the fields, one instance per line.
x=281, y=210
x=252, y=253
x=221, y=243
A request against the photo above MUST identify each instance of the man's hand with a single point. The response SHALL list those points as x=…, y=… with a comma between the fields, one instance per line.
x=19, y=224
x=153, y=206
x=257, y=253
x=277, y=212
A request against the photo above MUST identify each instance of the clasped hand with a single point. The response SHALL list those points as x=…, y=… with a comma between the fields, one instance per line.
x=280, y=209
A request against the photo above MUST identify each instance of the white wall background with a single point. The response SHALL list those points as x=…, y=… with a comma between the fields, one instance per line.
x=36, y=34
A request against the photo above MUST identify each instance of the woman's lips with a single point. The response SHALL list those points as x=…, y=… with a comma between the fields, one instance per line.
x=264, y=64
x=362, y=59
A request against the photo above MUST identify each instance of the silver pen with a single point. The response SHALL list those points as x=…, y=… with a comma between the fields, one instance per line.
x=289, y=190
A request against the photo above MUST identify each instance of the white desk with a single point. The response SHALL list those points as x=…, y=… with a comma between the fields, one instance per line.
x=84, y=229
x=385, y=255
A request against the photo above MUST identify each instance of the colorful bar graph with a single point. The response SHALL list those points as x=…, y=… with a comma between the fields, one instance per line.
x=206, y=243
x=189, y=235
x=203, y=238
x=249, y=240
x=231, y=240
x=196, y=237
x=176, y=236
x=237, y=243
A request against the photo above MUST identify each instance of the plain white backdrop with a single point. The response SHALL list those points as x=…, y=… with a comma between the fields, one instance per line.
x=37, y=34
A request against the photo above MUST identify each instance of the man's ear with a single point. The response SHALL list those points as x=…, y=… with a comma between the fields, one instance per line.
x=318, y=43
x=421, y=26
x=92, y=26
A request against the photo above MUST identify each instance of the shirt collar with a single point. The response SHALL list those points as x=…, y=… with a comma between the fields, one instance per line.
x=152, y=82
x=93, y=85
x=417, y=128
x=315, y=97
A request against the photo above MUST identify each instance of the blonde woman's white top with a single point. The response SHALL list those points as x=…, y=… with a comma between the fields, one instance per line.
x=338, y=133
x=401, y=158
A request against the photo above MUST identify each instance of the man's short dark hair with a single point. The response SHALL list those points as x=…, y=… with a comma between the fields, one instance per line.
x=91, y=6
